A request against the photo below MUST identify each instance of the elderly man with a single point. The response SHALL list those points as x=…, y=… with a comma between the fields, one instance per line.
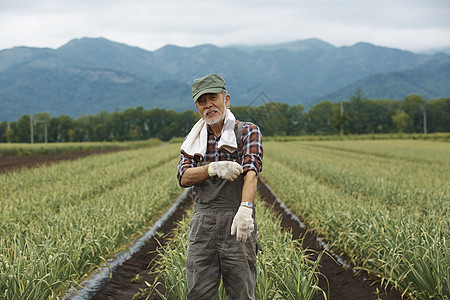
x=221, y=158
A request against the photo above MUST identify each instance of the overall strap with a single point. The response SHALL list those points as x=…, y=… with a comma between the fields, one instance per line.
x=238, y=132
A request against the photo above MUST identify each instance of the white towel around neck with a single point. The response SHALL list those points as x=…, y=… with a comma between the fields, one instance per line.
x=196, y=141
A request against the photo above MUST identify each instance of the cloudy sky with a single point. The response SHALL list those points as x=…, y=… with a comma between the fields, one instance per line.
x=415, y=25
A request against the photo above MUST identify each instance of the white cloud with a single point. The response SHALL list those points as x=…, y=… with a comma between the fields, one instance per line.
x=407, y=24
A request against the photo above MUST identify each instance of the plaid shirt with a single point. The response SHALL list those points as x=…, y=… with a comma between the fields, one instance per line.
x=250, y=151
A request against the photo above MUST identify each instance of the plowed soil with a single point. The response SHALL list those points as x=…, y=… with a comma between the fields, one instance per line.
x=16, y=162
x=343, y=283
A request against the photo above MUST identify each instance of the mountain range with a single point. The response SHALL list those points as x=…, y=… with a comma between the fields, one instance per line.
x=89, y=75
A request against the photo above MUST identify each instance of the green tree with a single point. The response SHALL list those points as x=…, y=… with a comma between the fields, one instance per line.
x=23, y=130
x=71, y=134
x=3, y=128
x=275, y=118
x=413, y=105
x=338, y=117
x=9, y=134
x=63, y=126
x=134, y=133
x=319, y=119
x=357, y=115
x=401, y=120
x=296, y=121
x=438, y=115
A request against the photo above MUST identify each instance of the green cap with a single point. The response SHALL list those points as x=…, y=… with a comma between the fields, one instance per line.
x=211, y=83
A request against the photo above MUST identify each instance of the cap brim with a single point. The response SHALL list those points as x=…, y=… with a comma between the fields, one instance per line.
x=206, y=91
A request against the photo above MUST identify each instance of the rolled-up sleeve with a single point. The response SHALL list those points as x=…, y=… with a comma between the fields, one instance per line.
x=252, y=148
x=184, y=164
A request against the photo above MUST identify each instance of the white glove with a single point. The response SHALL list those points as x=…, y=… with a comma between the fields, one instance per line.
x=228, y=170
x=243, y=224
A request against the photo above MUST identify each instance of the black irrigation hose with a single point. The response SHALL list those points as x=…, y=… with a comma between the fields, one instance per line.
x=93, y=284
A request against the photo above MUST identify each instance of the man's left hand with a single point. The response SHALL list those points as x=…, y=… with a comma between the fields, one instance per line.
x=242, y=224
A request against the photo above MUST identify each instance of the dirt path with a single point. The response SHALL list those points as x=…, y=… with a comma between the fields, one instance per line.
x=343, y=283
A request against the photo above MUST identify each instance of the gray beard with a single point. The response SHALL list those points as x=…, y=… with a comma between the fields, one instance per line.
x=213, y=122
x=219, y=118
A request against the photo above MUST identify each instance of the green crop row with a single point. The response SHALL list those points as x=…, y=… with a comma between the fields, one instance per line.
x=385, y=204
x=440, y=136
x=285, y=269
x=59, y=223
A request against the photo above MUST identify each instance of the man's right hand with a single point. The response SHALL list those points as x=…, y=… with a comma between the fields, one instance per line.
x=228, y=170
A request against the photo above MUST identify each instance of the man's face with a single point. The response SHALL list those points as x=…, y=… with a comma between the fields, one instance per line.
x=211, y=107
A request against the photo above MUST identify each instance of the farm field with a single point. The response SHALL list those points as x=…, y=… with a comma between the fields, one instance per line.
x=59, y=222
x=384, y=204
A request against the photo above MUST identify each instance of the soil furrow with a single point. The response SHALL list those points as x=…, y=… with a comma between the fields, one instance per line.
x=11, y=163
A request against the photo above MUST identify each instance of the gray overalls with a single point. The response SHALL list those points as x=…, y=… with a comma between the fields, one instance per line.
x=213, y=251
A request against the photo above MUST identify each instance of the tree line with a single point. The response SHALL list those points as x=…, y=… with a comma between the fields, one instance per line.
x=358, y=115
